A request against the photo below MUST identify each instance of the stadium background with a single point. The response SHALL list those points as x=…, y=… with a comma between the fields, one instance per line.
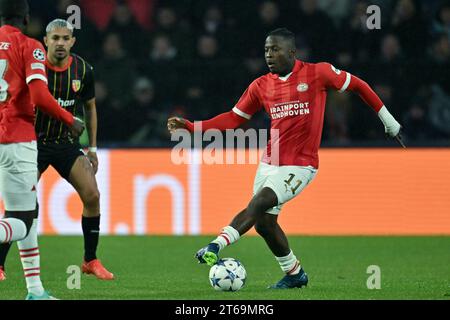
x=153, y=59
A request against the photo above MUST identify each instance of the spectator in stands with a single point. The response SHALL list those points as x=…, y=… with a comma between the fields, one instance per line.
x=441, y=24
x=208, y=84
x=440, y=62
x=410, y=27
x=213, y=22
x=439, y=113
x=161, y=64
x=416, y=120
x=168, y=23
x=354, y=31
x=337, y=10
x=110, y=116
x=144, y=121
x=336, y=118
x=390, y=68
x=115, y=68
x=268, y=18
x=316, y=28
x=125, y=25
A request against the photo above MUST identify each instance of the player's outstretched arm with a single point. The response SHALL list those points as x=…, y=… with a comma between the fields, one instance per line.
x=391, y=125
x=340, y=80
x=247, y=106
x=42, y=98
x=227, y=120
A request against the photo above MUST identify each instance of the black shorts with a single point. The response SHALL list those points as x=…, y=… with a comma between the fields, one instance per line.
x=60, y=156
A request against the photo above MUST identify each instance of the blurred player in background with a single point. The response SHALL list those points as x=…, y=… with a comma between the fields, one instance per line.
x=294, y=96
x=71, y=81
x=23, y=84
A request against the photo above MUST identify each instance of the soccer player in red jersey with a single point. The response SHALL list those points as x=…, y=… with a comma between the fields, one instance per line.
x=23, y=84
x=72, y=85
x=294, y=96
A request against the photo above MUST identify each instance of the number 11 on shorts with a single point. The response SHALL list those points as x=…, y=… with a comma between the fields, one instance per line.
x=289, y=181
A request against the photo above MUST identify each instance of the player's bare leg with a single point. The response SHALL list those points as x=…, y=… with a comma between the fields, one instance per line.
x=82, y=178
x=242, y=222
x=260, y=203
x=268, y=228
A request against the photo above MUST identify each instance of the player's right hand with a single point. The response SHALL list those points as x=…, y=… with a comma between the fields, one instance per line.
x=77, y=127
x=176, y=123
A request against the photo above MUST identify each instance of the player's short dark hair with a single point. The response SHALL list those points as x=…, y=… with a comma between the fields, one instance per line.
x=10, y=9
x=283, y=33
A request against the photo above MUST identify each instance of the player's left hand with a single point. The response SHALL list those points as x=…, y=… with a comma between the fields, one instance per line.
x=93, y=159
x=397, y=137
x=392, y=129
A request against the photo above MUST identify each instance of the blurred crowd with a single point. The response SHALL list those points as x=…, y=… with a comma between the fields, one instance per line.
x=194, y=58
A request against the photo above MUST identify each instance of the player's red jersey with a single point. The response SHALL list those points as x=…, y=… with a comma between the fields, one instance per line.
x=296, y=106
x=22, y=60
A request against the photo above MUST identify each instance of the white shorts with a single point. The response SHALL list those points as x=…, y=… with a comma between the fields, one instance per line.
x=18, y=175
x=286, y=181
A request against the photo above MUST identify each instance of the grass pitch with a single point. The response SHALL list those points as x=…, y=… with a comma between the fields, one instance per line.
x=164, y=268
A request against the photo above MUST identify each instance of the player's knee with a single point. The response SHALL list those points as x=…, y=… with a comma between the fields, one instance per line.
x=91, y=199
x=26, y=217
x=258, y=206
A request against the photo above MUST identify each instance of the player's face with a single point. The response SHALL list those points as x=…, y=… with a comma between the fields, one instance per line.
x=59, y=43
x=279, y=54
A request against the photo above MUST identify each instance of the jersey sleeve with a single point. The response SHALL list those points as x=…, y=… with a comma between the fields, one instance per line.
x=34, y=57
x=249, y=103
x=88, y=91
x=333, y=78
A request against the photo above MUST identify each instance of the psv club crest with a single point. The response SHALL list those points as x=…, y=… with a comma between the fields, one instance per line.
x=302, y=87
x=76, y=85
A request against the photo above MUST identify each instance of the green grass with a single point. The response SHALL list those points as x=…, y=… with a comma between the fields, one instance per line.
x=164, y=268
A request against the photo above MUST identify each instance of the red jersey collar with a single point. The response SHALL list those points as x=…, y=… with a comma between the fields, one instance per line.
x=59, y=69
x=10, y=29
x=297, y=66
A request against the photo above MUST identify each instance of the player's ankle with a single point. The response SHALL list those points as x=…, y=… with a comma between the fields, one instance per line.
x=296, y=271
x=37, y=291
x=88, y=259
x=289, y=264
x=228, y=236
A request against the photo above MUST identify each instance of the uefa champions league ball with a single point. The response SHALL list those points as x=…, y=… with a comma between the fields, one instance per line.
x=227, y=275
